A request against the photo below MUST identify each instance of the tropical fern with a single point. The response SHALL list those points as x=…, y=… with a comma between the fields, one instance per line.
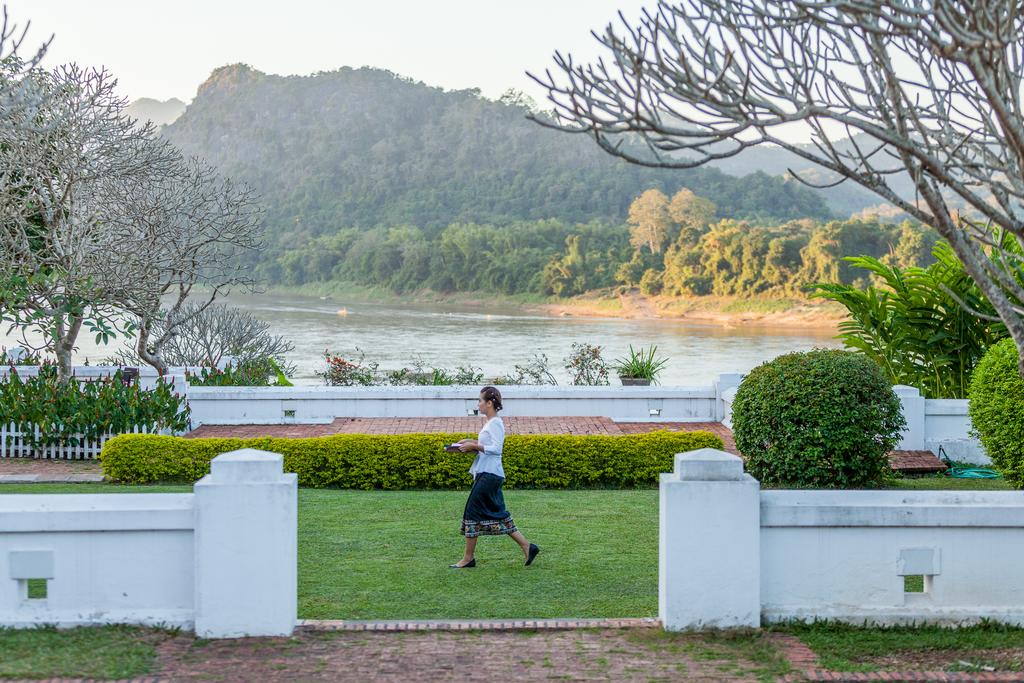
x=910, y=322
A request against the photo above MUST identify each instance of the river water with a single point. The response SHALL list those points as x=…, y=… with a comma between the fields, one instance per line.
x=496, y=338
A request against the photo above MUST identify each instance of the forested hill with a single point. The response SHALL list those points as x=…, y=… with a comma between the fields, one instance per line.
x=364, y=147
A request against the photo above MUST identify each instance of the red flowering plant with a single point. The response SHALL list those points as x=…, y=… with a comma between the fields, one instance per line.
x=341, y=372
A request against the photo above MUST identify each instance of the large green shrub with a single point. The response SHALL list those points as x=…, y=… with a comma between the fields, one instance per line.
x=825, y=418
x=66, y=412
x=997, y=410
x=413, y=461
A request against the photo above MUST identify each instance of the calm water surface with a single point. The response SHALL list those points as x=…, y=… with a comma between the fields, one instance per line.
x=496, y=338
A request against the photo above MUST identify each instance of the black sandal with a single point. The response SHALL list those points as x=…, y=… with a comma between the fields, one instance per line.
x=533, y=553
x=468, y=565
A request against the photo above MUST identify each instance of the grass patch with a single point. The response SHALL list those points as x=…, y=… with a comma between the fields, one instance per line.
x=842, y=647
x=940, y=482
x=102, y=652
x=385, y=554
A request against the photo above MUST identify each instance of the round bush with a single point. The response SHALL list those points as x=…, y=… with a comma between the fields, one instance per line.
x=824, y=418
x=996, y=408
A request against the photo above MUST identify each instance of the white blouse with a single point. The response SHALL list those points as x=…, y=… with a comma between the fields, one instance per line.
x=492, y=438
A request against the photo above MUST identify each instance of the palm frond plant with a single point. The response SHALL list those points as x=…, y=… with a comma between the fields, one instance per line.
x=641, y=364
x=926, y=327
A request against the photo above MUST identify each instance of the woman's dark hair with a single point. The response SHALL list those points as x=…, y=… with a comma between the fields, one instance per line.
x=491, y=395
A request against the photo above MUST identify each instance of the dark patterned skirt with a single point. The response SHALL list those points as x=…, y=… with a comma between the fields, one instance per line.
x=485, y=513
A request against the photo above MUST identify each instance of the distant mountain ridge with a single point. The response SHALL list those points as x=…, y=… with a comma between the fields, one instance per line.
x=160, y=113
x=365, y=147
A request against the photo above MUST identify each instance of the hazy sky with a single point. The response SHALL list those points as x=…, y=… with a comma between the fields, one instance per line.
x=166, y=49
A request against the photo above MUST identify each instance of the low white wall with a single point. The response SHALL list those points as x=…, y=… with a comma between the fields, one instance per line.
x=844, y=554
x=753, y=556
x=934, y=423
x=222, y=560
x=283, y=405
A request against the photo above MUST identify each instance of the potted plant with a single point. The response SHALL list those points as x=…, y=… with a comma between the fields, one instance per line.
x=640, y=367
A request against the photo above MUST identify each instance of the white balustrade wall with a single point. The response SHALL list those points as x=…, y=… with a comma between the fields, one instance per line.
x=304, y=405
x=221, y=560
x=733, y=555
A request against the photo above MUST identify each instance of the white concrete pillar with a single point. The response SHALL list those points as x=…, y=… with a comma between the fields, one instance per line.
x=913, y=410
x=709, y=557
x=724, y=382
x=246, y=547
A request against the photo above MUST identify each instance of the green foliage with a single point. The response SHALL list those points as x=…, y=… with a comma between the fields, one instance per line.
x=30, y=358
x=69, y=412
x=913, y=325
x=413, y=461
x=651, y=282
x=824, y=418
x=997, y=409
x=378, y=149
x=255, y=372
x=640, y=364
x=534, y=371
x=586, y=366
x=420, y=375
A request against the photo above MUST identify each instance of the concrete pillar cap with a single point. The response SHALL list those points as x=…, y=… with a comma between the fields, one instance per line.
x=708, y=464
x=246, y=465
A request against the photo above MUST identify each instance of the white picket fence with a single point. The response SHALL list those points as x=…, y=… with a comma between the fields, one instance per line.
x=14, y=444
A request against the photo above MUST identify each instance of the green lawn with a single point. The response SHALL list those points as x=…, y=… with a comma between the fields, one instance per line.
x=852, y=648
x=385, y=554
x=942, y=482
x=109, y=652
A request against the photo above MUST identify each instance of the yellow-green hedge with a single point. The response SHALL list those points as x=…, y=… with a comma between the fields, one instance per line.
x=413, y=461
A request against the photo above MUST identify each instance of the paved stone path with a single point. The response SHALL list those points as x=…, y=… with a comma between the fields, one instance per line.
x=587, y=654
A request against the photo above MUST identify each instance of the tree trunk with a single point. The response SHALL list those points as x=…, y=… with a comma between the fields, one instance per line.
x=65, y=345
x=152, y=358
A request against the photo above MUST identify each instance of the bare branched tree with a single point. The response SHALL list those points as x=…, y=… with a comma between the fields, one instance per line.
x=206, y=334
x=929, y=89
x=58, y=162
x=12, y=37
x=180, y=233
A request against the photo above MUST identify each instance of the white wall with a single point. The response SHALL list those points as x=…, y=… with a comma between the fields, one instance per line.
x=283, y=405
x=222, y=560
x=832, y=554
x=934, y=423
x=842, y=555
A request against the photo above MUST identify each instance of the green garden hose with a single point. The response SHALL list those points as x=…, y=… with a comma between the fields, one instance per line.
x=971, y=473
x=966, y=472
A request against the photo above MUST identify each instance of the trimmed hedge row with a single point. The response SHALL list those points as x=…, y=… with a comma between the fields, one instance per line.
x=413, y=461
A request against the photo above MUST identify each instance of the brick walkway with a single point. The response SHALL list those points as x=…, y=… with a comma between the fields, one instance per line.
x=544, y=650
x=32, y=470
x=413, y=425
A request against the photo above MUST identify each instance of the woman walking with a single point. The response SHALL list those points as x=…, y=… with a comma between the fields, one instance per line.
x=485, y=513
